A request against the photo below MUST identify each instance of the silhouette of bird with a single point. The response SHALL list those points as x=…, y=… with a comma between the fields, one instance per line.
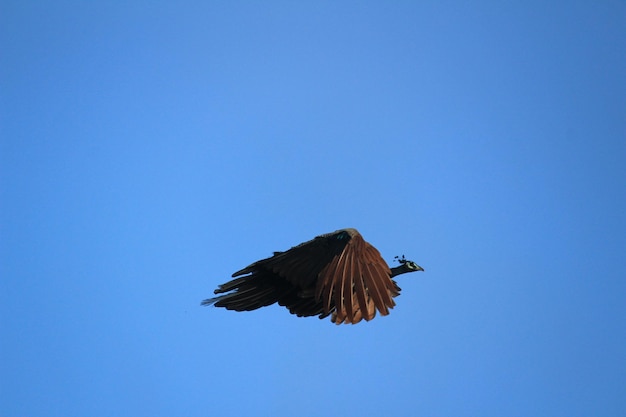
x=337, y=274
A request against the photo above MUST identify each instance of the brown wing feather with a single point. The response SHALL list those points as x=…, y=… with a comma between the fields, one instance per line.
x=378, y=280
x=347, y=291
x=343, y=279
x=357, y=280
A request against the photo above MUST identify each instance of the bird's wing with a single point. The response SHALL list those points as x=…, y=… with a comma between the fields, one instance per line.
x=302, y=264
x=356, y=282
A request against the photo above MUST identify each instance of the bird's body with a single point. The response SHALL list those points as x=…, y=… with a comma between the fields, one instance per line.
x=337, y=274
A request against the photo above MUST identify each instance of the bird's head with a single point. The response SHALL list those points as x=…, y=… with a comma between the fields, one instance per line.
x=405, y=266
x=412, y=266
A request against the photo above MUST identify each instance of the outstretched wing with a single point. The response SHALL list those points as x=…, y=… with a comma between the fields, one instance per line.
x=302, y=264
x=356, y=283
x=287, y=278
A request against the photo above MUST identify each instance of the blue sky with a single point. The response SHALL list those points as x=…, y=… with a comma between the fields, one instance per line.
x=150, y=149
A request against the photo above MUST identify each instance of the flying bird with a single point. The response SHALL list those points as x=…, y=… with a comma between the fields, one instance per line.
x=337, y=274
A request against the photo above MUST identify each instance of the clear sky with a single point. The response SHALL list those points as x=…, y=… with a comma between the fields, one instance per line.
x=150, y=149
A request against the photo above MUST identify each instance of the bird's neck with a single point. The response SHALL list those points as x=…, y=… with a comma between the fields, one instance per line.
x=402, y=269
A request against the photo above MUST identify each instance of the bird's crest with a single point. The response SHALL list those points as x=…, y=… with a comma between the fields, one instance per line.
x=400, y=260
